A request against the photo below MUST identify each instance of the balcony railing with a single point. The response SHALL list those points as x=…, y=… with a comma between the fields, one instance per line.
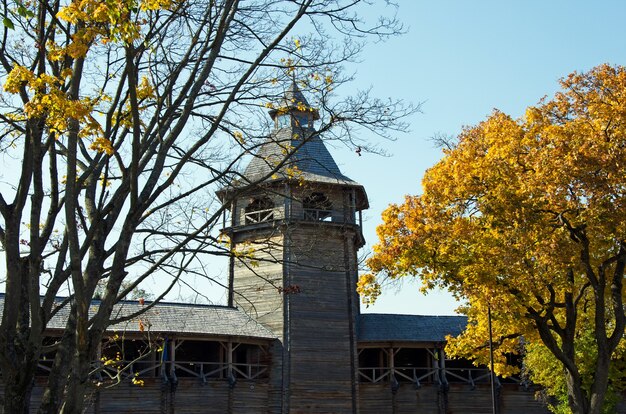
x=420, y=375
x=204, y=370
x=217, y=370
x=259, y=216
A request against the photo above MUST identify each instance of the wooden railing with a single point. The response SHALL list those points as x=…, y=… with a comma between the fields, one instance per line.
x=469, y=375
x=203, y=370
x=411, y=374
x=222, y=370
x=419, y=375
x=259, y=216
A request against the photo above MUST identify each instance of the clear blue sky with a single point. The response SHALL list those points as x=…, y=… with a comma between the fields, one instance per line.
x=462, y=59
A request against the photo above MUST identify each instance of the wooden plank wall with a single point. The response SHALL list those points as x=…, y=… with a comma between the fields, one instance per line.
x=321, y=321
x=257, y=282
x=247, y=397
x=316, y=320
x=189, y=396
x=459, y=399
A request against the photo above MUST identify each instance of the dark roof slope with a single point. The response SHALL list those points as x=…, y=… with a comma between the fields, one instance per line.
x=179, y=318
x=193, y=319
x=377, y=327
x=311, y=163
x=311, y=159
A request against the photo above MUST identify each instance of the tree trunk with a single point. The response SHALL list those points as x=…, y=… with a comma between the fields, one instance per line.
x=77, y=385
x=600, y=384
x=18, y=388
x=577, y=398
x=20, y=349
x=80, y=359
x=53, y=394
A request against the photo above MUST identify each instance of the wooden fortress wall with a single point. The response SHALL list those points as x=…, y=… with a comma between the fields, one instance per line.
x=247, y=397
x=458, y=399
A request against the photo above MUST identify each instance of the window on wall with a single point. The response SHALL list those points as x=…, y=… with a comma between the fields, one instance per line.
x=46, y=359
x=373, y=365
x=212, y=360
x=317, y=207
x=250, y=361
x=259, y=210
x=463, y=370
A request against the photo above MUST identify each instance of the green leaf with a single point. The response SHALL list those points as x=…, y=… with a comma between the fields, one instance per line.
x=24, y=12
x=8, y=23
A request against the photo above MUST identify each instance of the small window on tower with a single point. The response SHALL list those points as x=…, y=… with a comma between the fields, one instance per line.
x=283, y=120
x=317, y=207
x=302, y=121
x=259, y=210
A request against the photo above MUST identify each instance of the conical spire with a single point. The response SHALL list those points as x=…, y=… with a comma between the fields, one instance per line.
x=294, y=101
x=308, y=159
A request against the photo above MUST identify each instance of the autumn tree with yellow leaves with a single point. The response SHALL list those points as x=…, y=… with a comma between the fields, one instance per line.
x=527, y=218
x=120, y=118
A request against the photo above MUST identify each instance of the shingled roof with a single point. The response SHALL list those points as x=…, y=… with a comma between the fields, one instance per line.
x=311, y=159
x=377, y=327
x=183, y=318
x=175, y=318
x=308, y=159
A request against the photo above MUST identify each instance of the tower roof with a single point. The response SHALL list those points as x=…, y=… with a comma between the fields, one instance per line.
x=310, y=160
x=295, y=153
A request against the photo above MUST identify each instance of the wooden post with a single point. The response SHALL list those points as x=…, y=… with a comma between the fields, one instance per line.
x=353, y=206
x=164, y=359
x=287, y=202
x=229, y=359
x=494, y=405
x=442, y=367
x=231, y=259
x=173, y=361
x=443, y=387
x=353, y=312
x=230, y=376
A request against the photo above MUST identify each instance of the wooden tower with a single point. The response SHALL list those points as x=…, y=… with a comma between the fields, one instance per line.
x=295, y=238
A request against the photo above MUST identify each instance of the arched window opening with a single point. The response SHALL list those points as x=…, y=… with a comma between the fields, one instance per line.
x=317, y=207
x=259, y=210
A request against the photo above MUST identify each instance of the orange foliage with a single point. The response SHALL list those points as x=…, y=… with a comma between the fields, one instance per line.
x=520, y=215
